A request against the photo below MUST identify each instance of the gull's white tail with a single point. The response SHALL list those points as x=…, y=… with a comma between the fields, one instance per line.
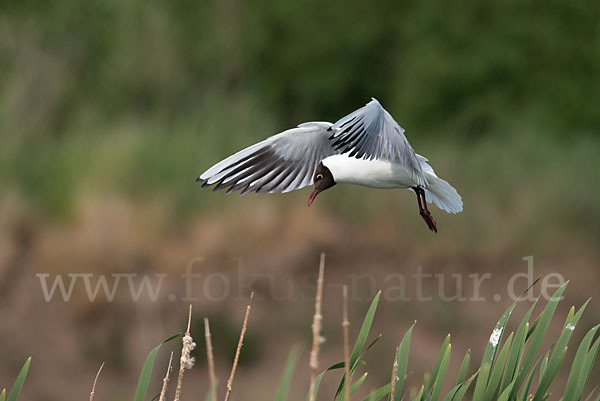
x=438, y=191
x=443, y=195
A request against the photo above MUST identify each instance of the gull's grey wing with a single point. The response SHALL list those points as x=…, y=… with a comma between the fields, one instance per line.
x=372, y=133
x=281, y=163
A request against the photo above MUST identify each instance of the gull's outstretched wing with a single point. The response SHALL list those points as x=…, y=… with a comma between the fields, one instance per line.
x=281, y=163
x=372, y=133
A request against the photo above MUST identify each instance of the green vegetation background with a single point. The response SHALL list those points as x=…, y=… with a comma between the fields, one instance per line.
x=141, y=96
x=131, y=100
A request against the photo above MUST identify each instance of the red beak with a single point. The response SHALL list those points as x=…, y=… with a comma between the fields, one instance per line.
x=312, y=197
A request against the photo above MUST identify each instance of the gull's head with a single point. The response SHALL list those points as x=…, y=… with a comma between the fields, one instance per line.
x=322, y=180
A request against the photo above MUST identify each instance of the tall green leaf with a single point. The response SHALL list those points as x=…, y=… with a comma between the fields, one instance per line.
x=440, y=375
x=535, y=336
x=16, y=389
x=402, y=360
x=516, y=351
x=211, y=391
x=496, y=372
x=360, y=341
x=379, y=393
x=587, y=366
x=286, y=377
x=144, y=379
x=491, y=350
x=339, y=365
x=464, y=367
x=577, y=367
x=525, y=392
x=459, y=391
x=559, y=352
x=357, y=383
x=429, y=383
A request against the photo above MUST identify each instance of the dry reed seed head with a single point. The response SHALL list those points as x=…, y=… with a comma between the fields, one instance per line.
x=188, y=346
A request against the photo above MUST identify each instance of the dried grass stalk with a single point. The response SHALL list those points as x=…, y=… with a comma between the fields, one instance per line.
x=239, y=349
x=93, y=392
x=211, y=359
x=186, y=361
x=345, y=327
x=163, y=391
x=316, y=329
x=394, y=376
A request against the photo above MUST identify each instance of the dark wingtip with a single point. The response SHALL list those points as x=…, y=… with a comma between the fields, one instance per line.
x=329, y=129
x=199, y=179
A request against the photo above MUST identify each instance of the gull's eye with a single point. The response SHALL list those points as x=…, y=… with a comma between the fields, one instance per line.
x=319, y=177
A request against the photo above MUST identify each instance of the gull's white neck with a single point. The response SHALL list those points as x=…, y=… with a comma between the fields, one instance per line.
x=370, y=173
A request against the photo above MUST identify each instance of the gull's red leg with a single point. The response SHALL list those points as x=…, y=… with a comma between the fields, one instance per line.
x=423, y=211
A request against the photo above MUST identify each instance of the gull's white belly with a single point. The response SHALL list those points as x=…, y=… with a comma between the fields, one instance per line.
x=370, y=173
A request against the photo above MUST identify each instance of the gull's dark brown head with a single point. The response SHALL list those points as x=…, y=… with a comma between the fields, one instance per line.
x=322, y=180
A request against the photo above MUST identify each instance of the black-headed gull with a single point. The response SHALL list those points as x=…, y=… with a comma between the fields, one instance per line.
x=367, y=147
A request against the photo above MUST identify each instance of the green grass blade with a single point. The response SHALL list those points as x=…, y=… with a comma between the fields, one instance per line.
x=516, y=351
x=587, y=366
x=578, y=365
x=527, y=386
x=544, y=365
x=3, y=394
x=339, y=365
x=144, y=379
x=402, y=359
x=372, y=343
x=317, y=384
x=591, y=394
x=436, y=367
x=490, y=352
x=441, y=375
x=211, y=391
x=361, y=340
x=419, y=396
x=357, y=383
x=484, y=372
x=559, y=351
x=452, y=393
x=462, y=389
x=364, y=330
x=492, y=346
x=379, y=393
x=537, y=333
x=286, y=376
x=532, y=328
x=498, y=368
x=464, y=367
x=506, y=393
x=16, y=389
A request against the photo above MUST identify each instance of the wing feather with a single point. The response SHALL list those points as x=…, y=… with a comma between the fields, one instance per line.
x=372, y=133
x=281, y=163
